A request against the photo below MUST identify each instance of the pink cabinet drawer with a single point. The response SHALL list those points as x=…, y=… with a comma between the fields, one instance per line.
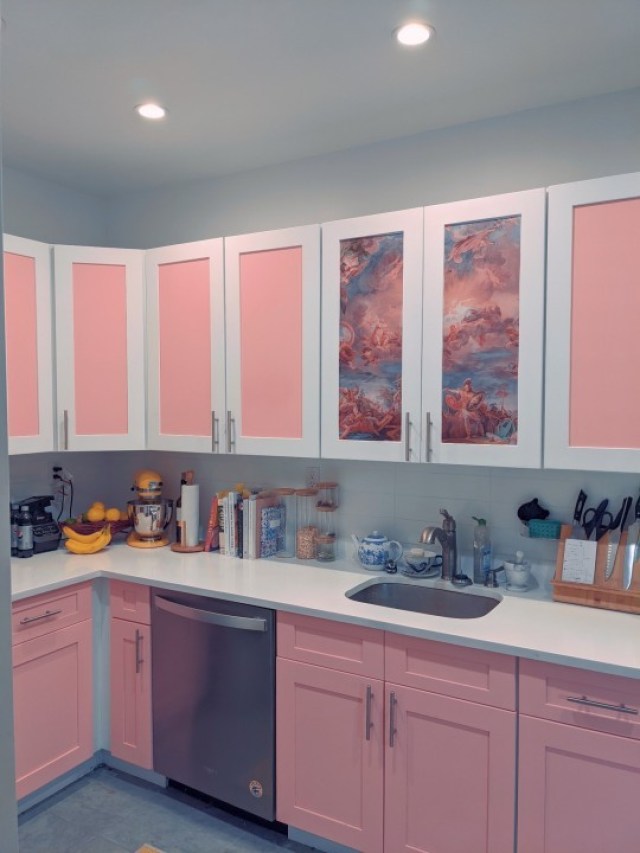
x=41, y=614
x=484, y=677
x=593, y=700
x=336, y=645
x=130, y=601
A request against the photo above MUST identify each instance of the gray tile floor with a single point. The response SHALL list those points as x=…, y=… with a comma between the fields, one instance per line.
x=110, y=812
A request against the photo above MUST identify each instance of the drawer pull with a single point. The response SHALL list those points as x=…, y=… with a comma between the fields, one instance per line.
x=583, y=700
x=392, y=719
x=368, y=722
x=47, y=613
x=139, y=658
x=215, y=435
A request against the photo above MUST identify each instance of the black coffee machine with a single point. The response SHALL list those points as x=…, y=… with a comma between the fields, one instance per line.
x=46, y=533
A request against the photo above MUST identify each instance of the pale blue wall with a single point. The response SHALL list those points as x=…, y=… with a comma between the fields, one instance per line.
x=584, y=139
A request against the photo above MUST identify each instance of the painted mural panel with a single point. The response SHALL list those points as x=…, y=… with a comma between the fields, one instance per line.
x=370, y=357
x=480, y=349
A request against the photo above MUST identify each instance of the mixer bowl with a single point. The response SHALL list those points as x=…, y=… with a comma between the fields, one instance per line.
x=150, y=518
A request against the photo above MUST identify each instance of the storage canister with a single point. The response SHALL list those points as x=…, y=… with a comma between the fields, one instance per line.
x=306, y=525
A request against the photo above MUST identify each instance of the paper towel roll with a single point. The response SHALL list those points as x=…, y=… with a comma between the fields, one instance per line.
x=190, y=513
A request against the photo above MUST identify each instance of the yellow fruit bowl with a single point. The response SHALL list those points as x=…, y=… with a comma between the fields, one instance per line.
x=86, y=527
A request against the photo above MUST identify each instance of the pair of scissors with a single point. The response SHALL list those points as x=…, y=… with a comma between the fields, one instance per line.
x=598, y=519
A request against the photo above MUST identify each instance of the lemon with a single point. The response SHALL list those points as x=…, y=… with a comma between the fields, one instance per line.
x=95, y=513
x=98, y=505
x=112, y=514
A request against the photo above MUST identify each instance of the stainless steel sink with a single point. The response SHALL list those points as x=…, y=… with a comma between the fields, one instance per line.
x=425, y=599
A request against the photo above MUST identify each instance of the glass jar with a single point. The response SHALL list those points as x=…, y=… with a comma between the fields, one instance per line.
x=327, y=495
x=287, y=499
x=326, y=538
x=306, y=525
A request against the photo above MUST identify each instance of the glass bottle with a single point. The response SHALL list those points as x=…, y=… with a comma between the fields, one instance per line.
x=306, y=526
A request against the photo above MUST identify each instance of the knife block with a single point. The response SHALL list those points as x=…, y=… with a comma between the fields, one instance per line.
x=606, y=594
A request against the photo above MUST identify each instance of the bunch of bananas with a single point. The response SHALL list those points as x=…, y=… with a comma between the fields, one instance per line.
x=86, y=543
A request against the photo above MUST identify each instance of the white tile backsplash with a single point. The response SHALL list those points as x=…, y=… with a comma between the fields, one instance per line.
x=397, y=498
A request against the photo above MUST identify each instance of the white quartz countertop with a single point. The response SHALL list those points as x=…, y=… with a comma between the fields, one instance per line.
x=522, y=624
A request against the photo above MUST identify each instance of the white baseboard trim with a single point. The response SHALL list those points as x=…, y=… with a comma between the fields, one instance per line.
x=131, y=769
x=316, y=842
x=58, y=784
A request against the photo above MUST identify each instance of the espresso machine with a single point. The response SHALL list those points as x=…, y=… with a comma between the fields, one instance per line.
x=149, y=513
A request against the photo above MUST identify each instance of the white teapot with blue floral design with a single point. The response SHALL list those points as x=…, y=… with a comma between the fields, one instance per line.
x=375, y=550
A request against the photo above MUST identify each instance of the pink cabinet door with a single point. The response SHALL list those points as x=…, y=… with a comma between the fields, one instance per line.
x=578, y=790
x=372, y=337
x=53, y=705
x=28, y=322
x=272, y=292
x=592, y=415
x=329, y=754
x=100, y=348
x=483, y=330
x=185, y=346
x=131, y=733
x=131, y=601
x=449, y=775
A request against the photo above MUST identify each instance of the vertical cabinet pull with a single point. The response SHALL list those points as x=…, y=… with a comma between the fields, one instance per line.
x=427, y=437
x=407, y=438
x=231, y=443
x=368, y=723
x=392, y=719
x=139, y=659
x=65, y=429
x=215, y=434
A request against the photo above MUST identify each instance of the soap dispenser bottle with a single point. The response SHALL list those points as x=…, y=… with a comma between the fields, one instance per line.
x=481, y=550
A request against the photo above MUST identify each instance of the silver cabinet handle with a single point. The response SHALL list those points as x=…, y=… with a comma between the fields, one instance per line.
x=231, y=443
x=407, y=439
x=65, y=429
x=427, y=436
x=47, y=613
x=368, y=723
x=225, y=620
x=139, y=659
x=215, y=434
x=583, y=700
x=392, y=719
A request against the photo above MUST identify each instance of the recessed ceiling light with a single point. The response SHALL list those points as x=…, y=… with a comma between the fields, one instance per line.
x=414, y=33
x=151, y=110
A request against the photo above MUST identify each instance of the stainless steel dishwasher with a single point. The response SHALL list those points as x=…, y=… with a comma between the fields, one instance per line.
x=214, y=698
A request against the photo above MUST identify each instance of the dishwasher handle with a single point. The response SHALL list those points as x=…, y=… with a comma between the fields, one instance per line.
x=241, y=623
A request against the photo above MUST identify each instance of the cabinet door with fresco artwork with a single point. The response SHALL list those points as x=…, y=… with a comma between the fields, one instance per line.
x=371, y=337
x=483, y=331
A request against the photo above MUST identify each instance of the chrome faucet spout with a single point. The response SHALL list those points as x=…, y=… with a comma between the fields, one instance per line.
x=446, y=537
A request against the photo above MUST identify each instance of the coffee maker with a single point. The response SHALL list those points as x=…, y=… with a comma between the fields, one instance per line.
x=149, y=513
x=46, y=533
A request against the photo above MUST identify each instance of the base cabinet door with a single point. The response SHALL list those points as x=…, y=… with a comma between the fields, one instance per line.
x=329, y=754
x=53, y=705
x=578, y=790
x=449, y=775
x=131, y=731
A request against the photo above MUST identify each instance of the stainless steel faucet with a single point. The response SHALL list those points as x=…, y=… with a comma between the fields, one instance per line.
x=446, y=536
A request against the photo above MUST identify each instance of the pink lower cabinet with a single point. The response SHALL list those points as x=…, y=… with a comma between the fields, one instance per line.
x=52, y=686
x=130, y=677
x=422, y=762
x=579, y=761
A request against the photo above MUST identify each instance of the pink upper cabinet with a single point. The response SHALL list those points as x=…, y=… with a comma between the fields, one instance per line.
x=371, y=337
x=100, y=333
x=27, y=295
x=272, y=294
x=185, y=345
x=593, y=301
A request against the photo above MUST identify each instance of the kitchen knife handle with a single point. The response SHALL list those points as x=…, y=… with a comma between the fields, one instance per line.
x=368, y=724
x=583, y=700
x=427, y=434
x=139, y=659
x=215, y=433
x=407, y=434
x=392, y=719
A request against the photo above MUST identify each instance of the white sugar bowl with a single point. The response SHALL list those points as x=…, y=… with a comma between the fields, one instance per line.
x=518, y=576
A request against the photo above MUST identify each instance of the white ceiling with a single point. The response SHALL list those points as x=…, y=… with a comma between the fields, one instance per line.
x=250, y=83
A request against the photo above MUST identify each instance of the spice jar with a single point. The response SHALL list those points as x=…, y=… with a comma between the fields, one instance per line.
x=326, y=538
x=306, y=527
x=327, y=495
x=287, y=499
